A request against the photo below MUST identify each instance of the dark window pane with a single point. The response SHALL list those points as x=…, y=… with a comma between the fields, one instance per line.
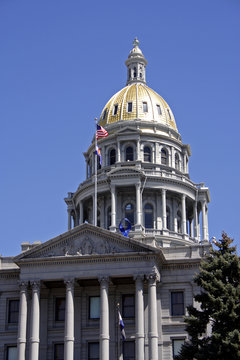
x=177, y=302
x=94, y=307
x=129, y=350
x=145, y=107
x=115, y=109
x=128, y=306
x=59, y=352
x=104, y=114
x=12, y=353
x=159, y=110
x=129, y=107
x=177, y=344
x=163, y=157
x=129, y=213
x=13, y=309
x=169, y=114
x=93, y=351
x=129, y=153
x=148, y=215
x=60, y=309
x=135, y=72
x=112, y=157
x=147, y=154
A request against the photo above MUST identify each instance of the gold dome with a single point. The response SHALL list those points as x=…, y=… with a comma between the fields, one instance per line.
x=137, y=101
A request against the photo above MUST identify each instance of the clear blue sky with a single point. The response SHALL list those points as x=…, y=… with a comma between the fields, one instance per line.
x=60, y=61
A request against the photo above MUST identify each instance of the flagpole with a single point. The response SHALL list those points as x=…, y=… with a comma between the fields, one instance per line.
x=95, y=175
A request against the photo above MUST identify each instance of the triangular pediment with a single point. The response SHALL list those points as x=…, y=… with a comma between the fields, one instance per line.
x=86, y=240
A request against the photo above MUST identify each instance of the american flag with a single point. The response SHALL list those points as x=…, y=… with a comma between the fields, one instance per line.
x=101, y=132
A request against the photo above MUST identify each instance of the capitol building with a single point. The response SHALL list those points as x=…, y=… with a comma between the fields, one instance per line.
x=61, y=299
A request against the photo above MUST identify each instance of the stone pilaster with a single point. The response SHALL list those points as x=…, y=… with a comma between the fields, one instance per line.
x=69, y=321
x=35, y=321
x=22, y=322
x=184, y=228
x=138, y=226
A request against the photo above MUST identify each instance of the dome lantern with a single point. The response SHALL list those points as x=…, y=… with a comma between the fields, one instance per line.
x=136, y=65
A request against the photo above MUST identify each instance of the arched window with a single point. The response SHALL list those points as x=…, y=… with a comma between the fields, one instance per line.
x=129, y=153
x=135, y=72
x=168, y=218
x=164, y=157
x=98, y=163
x=129, y=74
x=89, y=169
x=104, y=114
x=147, y=154
x=112, y=157
x=109, y=218
x=177, y=162
x=179, y=222
x=129, y=213
x=148, y=216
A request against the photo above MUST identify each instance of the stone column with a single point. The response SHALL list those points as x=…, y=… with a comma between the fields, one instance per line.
x=22, y=321
x=69, y=218
x=191, y=228
x=195, y=221
x=159, y=222
x=113, y=208
x=138, y=226
x=139, y=309
x=104, y=319
x=81, y=212
x=204, y=227
x=118, y=151
x=164, y=209
x=139, y=155
x=69, y=321
x=184, y=230
x=152, y=317
x=173, y=157
x=35, y=321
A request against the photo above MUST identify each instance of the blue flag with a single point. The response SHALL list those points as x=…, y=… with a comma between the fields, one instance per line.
x=121, y=325
x=125, y=231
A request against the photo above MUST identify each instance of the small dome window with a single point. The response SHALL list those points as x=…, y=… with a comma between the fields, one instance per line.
x=129, y=153
x=147, y=154
x=129, y=106
x=135, y=72
x=129, y=74
x=115, y=109
x=129, y=213
x=177, y=162
x=148, y=216
x=104, y=114
x=164, y=157
x=112, y=157
x=159, y=111
x=169, y=114
x=145, y=107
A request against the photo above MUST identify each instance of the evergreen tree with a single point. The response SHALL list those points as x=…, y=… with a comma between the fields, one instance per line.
x=219, y=282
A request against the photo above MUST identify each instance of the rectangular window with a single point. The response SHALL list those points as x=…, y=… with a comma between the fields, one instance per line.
x=58, y=351
x=115, y=109
x=94, y=307
x=129, y=350
x=128, y=306
x=176, y=346
x=177, y=303
x=12, y=353
x=129, y=107
x=169, y=114
x=145, y=107
x=60, y=309
x=159, y=110
x=93, y=351
x=13, y=310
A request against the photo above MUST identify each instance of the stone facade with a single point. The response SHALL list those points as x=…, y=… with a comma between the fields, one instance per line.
x=62, y=299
